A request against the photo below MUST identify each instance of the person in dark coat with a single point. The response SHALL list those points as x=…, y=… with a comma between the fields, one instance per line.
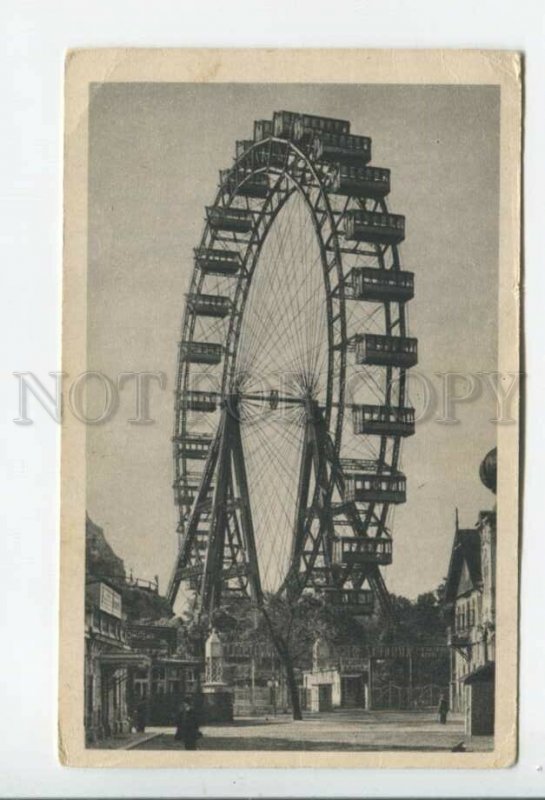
x=140, y=718
x=187, y=728
x=442, y=709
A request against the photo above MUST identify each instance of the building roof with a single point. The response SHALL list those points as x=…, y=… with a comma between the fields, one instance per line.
x=482, y=674
x=464, y=570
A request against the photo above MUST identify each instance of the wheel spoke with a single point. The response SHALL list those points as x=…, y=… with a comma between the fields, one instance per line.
x=287, y=342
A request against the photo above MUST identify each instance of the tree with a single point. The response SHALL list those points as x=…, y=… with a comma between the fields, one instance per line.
x=422, y=622
x=292, y=627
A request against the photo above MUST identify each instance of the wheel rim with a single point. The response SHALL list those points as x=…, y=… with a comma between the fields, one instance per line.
x=294, y=179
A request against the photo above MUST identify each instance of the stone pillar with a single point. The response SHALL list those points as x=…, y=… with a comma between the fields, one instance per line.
x=216, y=695
x=213, y=659
x=321, y=655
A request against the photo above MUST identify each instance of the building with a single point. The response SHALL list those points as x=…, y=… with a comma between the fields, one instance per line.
x=135, y=667
x=170, y=676
x=375, y=676
x=336, y=683
x=470, y=604
x=108, y=662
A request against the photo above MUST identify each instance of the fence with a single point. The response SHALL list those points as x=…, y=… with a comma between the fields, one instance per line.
x=392, y=696
x=260, y=700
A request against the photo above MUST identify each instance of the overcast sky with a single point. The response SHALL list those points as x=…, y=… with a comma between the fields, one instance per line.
x=155, y=151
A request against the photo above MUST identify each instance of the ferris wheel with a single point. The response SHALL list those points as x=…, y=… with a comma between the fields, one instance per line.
x=291, y=398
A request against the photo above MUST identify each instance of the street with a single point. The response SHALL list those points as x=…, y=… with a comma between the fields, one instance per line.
x=338, y=730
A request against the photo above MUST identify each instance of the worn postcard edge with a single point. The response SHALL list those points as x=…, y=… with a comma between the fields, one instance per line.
x=467, y=67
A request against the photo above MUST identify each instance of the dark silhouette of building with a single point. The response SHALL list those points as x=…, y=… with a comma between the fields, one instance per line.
x=135, y=669
x=470, y=603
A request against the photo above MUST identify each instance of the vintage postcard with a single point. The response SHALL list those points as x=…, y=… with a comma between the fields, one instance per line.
x=291, y=397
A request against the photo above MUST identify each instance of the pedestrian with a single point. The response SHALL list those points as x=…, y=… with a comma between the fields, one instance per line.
x=443, y=709
x=187, y=727
x=141, y=717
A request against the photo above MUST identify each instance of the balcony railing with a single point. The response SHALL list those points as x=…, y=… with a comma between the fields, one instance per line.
x=99, y=622
x=458, y=638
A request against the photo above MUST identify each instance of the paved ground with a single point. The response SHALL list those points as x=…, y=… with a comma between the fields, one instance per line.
x=338, y=730
x=125, y=741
